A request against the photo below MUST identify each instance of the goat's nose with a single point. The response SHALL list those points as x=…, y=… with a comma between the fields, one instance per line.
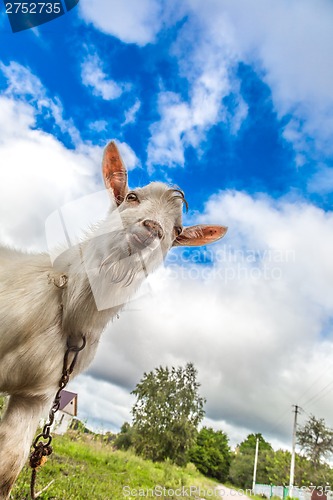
x=154, y=227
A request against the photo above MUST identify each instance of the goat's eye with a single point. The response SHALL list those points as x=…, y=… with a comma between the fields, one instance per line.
x=178, y=230
x=132, y=197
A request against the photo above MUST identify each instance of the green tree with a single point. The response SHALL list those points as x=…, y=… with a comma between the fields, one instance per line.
x=125, y=439
x=167, y=413
x=278, y=468
x=241, y=469
x=211, y=453
x=249, y=444
x=315, y=440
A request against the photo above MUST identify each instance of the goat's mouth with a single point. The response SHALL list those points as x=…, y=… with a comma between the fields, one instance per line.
x=139, y=240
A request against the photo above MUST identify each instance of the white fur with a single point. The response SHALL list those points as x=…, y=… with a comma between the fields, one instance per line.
x=38, y=317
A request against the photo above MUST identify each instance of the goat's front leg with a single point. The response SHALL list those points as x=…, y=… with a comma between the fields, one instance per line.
x=17, y=429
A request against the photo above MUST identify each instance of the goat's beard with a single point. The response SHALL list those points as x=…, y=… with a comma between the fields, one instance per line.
x=122, y=270
x=110, y=266
x=132, y=256
x=114, y=275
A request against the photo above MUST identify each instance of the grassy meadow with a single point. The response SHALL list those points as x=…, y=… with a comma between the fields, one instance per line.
x=85, y=468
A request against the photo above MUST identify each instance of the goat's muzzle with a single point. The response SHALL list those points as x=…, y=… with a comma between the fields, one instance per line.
x=154, y=228
x=143, y=234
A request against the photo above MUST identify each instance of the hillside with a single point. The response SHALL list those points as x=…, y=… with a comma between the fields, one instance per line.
x=83, y=468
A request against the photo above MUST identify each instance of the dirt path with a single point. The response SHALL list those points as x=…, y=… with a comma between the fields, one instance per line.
x=230, y=494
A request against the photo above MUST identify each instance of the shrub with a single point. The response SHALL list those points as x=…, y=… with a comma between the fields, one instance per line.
x=211, y=454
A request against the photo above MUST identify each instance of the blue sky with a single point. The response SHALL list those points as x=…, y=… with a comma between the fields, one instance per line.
x=256, y=158
x=234, y=104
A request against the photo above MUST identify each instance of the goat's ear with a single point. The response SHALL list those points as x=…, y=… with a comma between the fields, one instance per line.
x=199, y=235
x=114, y=172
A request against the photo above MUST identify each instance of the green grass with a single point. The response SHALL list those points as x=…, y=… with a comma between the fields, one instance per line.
x=84, y=469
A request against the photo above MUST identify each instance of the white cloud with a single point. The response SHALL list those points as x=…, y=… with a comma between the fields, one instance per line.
x=103, y=405
x=131, y=113
x=98, y=125
x=23, y=85
x=94, y=77
x=322, y=180
x=38, y=172
x=287, y=43
x=253, y=324
x=166, y=146
x=256, y=323
x=131, y=22
x=130, y=159
x=21, y=82
x=208, y=66
x=290, y=43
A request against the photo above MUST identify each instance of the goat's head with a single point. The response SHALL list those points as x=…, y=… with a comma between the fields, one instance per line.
x=139, y=230
x=151, y=216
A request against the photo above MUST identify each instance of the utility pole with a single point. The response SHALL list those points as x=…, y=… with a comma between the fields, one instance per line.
x=255, y=465
x=292, y=463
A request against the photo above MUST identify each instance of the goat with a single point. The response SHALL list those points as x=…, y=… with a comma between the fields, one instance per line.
x=38, y=318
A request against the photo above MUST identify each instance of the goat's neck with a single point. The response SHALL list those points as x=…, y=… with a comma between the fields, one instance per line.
x=100, y=282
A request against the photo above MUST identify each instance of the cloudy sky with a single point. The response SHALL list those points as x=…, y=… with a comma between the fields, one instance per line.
x=232, y=102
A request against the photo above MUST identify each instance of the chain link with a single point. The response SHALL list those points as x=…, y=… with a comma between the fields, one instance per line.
x=42, y=443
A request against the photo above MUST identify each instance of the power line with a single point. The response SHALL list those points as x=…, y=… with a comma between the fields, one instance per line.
x=314, y=382
x=279, y=420
x=312, y=399
x=318, y=395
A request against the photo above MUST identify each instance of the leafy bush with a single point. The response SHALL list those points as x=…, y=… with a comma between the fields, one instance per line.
x=126, y=437
x=211, y=454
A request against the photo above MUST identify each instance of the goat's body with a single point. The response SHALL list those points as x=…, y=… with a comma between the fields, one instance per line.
x=38, y=318
x=32, y=339
x=30, y=354
x=32, y=347
x=43, y=307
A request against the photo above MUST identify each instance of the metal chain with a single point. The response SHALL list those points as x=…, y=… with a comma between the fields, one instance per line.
x=42, y=449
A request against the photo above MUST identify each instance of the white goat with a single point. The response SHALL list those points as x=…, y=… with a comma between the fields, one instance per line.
x=39, y=314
